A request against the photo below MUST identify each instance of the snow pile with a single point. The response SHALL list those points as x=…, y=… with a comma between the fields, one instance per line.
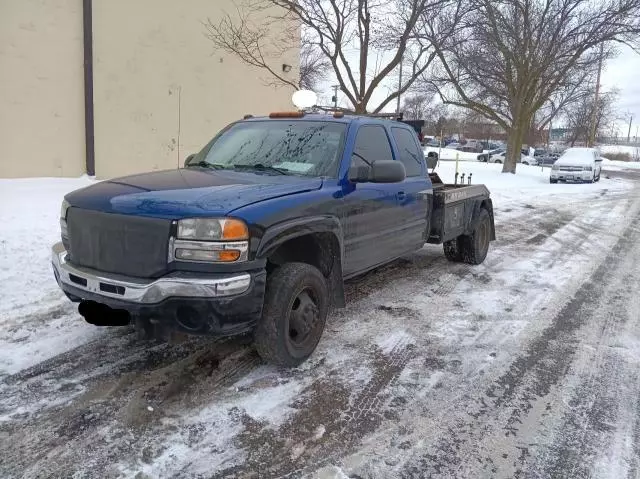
x=633, y=151
x=614, y=165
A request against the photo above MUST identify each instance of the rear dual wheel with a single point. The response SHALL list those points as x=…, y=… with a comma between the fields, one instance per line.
x=472, y=248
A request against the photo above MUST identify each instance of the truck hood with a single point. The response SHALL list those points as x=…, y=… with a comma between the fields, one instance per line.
x=187, y=192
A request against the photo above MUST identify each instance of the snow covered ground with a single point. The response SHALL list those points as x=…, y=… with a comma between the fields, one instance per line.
x=633, y=151
x=524, y=365
x=450, y=154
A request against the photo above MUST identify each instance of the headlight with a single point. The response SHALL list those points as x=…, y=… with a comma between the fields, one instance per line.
x=587, y=168
x=63, y=209
x=210, y=240
x=63, y=219
x=209, y=229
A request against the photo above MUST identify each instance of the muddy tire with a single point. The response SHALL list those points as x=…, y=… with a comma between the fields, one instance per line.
x=452, y=250
x=474, y=247
x=553, y=182
x=294, y=314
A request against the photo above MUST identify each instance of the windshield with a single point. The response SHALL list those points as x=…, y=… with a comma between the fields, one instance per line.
x=307, y=148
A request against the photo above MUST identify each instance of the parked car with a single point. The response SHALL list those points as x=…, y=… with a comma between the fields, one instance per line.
x=486, y=155
x=500, y=158
x=547, y=160
x=490, y=145
x=581, y=165
x=472, y=146
x=259, y=230
x=434, y=143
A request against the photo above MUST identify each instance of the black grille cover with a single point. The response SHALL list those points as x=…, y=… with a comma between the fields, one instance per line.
x=122, y=244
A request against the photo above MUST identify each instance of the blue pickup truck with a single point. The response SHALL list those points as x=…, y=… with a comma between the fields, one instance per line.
x=259, y=230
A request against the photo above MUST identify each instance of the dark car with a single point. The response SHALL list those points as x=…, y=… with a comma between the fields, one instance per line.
x=547, y=159
x=485, y=156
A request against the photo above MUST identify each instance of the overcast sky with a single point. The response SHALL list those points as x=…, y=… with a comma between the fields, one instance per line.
x=623, y=72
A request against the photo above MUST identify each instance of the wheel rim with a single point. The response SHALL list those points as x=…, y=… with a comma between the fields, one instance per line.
x=303, y=319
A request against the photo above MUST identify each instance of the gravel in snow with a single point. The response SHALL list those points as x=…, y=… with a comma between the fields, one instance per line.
x=522, y=366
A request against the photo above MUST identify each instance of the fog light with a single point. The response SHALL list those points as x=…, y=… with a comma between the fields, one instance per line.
x=207, y=255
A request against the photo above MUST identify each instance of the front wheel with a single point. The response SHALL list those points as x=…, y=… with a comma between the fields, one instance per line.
x=498, y=161
x=294, y=314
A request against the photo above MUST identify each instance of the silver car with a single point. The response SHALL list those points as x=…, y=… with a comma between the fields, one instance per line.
x=581, y=165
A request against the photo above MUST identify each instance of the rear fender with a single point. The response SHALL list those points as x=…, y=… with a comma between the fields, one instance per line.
x=479, y=205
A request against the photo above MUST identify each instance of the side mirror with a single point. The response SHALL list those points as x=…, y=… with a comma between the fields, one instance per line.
x=387, y=171
x=188, y=159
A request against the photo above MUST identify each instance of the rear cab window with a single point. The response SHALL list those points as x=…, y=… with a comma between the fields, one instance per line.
x=410, y=155
x=372, y=144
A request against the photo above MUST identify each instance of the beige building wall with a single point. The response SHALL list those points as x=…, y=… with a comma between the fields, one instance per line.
x=41, y=88
x=157, y=77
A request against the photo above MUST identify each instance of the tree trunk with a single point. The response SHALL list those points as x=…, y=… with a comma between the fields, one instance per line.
x=514, y=145
x=360, y=108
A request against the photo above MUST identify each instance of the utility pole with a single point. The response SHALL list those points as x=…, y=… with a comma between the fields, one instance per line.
x=592, y=133
x=335, y=96
x=629, y=132
x=399, y=87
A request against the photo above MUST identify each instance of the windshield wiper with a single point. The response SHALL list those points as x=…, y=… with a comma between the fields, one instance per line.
x=261, y=167
x=205, y=164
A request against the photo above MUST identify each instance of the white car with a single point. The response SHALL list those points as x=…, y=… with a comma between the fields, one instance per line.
x=524, y=159
x=581, y=165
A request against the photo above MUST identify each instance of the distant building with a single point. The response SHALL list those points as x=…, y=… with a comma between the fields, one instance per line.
x=560, y=134
x=117, y=86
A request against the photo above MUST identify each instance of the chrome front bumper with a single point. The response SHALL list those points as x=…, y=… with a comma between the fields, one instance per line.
x=143, y=291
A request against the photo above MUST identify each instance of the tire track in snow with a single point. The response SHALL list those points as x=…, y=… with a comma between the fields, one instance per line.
x=471, y=448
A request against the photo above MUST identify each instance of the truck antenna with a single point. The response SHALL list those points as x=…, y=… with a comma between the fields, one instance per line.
x=179, y=118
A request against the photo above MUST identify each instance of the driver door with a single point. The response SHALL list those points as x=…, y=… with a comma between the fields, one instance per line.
x=371, y=214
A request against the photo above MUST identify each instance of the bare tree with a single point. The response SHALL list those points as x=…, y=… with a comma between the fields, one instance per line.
x=416, y=107
x=363, y=41
x=314, y=67
x=508, y=59
x=578, y=115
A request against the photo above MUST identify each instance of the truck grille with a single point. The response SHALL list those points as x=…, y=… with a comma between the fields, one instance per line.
x=571, y=168
x=122, y=244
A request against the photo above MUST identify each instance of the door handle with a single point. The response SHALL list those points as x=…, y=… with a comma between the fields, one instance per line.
x=401, y=195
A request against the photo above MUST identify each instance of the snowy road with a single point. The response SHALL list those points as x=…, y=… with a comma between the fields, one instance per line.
x=525, y=366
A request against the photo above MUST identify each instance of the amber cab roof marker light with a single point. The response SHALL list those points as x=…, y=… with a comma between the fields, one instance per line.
x=302, y=99
x=286, y=114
